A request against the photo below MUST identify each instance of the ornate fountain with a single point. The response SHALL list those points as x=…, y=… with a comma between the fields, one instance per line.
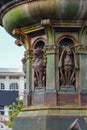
x=54, y=35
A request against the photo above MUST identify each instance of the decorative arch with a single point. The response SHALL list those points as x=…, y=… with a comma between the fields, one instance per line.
x=67, y=62
x=68, y=37
x=37, y=41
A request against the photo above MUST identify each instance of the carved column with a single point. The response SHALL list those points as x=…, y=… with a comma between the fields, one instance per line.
x=50, y=68
x=28, y=57
x=83, y=60
x=25, y=40
x=50, y=54
x=28, y=63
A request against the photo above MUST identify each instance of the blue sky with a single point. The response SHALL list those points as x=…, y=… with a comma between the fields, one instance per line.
x=10, y=54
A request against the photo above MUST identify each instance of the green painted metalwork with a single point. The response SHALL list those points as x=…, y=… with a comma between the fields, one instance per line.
x=50, y=70
x=29, y=75
x=50, y=34
x=83, y=71
x=34, y=11
x=59, y=34
x=54, y=112
x=83, y=61
x=83, y=38
x=50, y=81
x=50, y=59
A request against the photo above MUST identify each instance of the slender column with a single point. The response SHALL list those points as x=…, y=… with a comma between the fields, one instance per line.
x=46, y=23
x=28, y=56
x=50, y=54
x=28, y=67
x=50, y=69
x=83, y=60
x=25, y=40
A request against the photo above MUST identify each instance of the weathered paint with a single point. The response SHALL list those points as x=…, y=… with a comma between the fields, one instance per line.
x=54, y=119
x=34, y=11
x=50, y=70
x=83, y=71
x=50, y=80
x=61, y=34
x=83, y=61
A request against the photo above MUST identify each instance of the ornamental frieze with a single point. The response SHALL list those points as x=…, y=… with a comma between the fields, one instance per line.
x=80, y=49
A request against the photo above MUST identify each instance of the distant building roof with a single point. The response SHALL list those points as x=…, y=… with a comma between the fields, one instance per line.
x=8, y=97
x=10, y=71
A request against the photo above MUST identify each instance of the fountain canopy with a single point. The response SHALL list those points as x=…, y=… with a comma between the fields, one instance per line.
x=21, y=13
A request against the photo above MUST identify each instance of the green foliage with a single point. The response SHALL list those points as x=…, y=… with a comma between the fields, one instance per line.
x=15, y=108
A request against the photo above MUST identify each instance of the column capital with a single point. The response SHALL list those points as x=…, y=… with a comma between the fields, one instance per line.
x=50, y=49
x=28, y=54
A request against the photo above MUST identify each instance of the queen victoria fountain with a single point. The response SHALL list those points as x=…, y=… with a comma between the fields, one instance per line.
x=54, y=35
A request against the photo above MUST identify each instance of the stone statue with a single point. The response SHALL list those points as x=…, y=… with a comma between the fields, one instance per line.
x=39, y=69
x=67, y=65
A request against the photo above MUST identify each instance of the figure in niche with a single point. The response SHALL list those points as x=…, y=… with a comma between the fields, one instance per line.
x=39, y=69
x=67, y=65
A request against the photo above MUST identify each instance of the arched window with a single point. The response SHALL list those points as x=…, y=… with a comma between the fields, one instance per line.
x=2, y=86
x=66, y=42
x=39, y=44
x=13, y=86
x=24, y=85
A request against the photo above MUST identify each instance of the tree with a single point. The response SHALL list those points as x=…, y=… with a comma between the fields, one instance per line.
x=15, y=108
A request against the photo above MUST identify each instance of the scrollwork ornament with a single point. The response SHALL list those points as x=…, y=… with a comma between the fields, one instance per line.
x=28, y=54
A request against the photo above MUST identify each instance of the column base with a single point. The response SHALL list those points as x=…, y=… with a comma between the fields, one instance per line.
x=50, y=118
x=56, y=98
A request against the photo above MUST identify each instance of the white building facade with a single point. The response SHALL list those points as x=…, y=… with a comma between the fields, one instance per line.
x=12, y=79
x=12, y=85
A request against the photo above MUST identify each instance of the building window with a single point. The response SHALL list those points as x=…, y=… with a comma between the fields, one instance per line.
x=39, y=44
x=24, y=85
x=13, y=77
x=1, y=126
x=2, y=77
x=13, y=86
x=2, y=86
x=1, y=107
x=2, y=112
